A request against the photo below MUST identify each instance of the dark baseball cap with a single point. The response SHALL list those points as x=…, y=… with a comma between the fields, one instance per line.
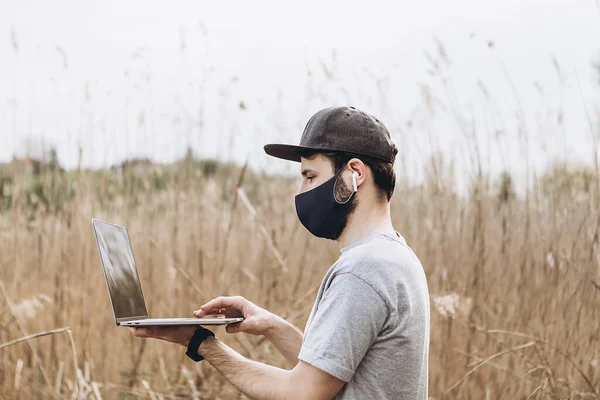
x=340, y=129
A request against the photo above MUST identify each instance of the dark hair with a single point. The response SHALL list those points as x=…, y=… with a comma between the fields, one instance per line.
x=383, y=171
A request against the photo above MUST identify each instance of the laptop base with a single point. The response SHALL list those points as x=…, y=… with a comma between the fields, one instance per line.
x=179, y=321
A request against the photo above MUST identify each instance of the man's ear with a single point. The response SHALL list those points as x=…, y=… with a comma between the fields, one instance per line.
x=359, y=169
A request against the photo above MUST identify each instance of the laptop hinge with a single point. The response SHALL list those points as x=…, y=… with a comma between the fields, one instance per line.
x=125, y=319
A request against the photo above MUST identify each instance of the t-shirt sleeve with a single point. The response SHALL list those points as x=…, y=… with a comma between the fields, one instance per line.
x=349, y=318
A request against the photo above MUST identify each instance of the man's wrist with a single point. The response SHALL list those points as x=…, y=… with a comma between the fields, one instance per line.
x=275, y=326
x=206, y=346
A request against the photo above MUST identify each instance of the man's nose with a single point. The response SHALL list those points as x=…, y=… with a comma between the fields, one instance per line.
x=301, y=189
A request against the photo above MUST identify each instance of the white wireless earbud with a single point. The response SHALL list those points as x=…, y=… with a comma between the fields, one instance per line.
x=354, y=177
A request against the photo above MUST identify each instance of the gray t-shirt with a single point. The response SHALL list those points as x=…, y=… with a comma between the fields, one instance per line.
x=370, y=323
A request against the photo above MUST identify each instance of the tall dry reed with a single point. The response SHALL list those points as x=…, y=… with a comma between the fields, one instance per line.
x=515, y=287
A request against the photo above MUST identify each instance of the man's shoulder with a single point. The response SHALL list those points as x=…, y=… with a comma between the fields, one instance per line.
x=382, y=255
x=387, y=265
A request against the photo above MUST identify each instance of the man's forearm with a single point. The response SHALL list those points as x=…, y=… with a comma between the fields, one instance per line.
x=254, y=379
x=286, y=338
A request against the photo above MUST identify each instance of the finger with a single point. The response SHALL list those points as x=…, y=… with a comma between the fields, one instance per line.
x=146, y=332
x=226, y=312
x=220, y=303
x=165, y=332
x=212, y=306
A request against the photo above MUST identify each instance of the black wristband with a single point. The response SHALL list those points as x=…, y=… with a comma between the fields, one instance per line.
x=197, y=338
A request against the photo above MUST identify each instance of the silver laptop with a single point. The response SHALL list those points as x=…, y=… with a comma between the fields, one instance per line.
x=123, y=282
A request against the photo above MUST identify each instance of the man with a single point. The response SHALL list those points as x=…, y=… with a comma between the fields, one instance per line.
x=368, y=333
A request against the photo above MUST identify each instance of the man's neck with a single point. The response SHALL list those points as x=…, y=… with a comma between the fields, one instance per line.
x=365, y=221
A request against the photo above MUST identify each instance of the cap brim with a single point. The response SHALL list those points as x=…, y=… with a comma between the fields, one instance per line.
x=287, y=151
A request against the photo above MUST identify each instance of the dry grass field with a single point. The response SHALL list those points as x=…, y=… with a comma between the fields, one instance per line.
x=514, y=279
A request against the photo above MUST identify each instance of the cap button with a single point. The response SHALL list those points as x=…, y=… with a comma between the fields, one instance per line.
x=352, y=107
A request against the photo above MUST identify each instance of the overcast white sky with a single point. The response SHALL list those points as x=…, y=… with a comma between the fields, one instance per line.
x=142, y=78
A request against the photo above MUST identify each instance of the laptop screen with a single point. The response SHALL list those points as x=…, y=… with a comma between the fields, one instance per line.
x=120, y=271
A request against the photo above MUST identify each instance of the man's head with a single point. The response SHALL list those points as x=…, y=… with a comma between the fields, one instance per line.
x=338, y=143
x=375, y=178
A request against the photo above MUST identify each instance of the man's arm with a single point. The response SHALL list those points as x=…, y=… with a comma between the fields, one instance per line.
x=286, y=338
x=261, y=381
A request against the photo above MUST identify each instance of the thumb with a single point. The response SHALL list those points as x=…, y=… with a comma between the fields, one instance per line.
x=235, y=327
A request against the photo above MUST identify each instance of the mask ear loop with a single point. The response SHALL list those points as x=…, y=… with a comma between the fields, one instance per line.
x=355, y=186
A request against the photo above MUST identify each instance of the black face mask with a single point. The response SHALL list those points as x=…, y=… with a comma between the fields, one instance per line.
x=320, y=212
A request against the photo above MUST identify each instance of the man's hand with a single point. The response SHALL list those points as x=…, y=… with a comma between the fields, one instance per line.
x=257, y=321
x=283, y=335
x=174, y=334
